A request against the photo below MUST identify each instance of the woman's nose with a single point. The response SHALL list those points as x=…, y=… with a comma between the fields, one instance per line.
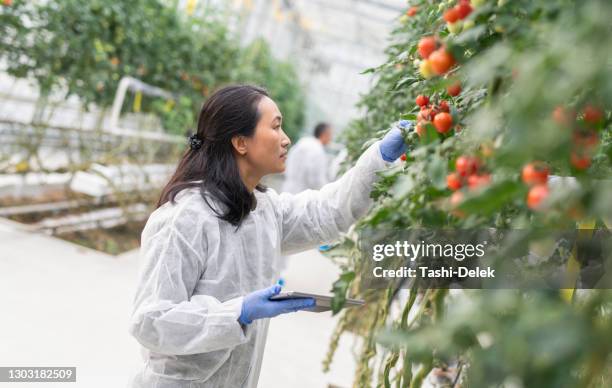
x=285, y=142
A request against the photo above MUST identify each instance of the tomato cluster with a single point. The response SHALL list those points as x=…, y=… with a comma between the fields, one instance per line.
x=436, y=114
x=437, y=60
x=453, y=16
x=585, y=138
x=468, y=172
x=535, y=174
x=459, y=12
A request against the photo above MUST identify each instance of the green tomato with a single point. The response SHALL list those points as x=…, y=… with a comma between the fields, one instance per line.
x=468, y=24
x=478, y=3
x=455, y=27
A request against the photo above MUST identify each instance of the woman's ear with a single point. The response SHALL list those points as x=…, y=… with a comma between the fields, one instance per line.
x=240, y=144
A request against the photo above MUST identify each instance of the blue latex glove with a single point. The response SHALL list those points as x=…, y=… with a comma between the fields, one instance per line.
x=392, y=146
x=325, y=248
x=257, y=305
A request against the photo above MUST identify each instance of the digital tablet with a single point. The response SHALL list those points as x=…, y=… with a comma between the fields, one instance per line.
x=323, y=301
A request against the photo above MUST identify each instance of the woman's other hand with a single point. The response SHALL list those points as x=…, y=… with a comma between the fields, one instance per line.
x=257, y=305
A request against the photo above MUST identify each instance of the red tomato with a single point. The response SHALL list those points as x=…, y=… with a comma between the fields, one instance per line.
x=425, y=115
x=453, y=181
x=451, y=15
x=561, y=116
x=443, y=122
x=444, y=106
x=535, y=173
x=455, y=201
x=422, y=100
x=412, y=11
x=592, y=114
x=475, y=181
x=403, y=157
x=586, y=139
x=463, y=9
x=441, y=61
x=580, y=161
x=537, y=194
x=420, y=128
x=454, y=89
x=427, y=45
x=467, y=165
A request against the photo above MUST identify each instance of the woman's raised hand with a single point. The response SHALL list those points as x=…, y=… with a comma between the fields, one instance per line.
x=392, y=146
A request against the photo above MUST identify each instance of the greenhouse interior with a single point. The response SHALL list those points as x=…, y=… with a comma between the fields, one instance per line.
x=306, y=193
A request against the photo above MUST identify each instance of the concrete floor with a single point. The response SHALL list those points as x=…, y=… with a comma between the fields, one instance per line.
x=64, y=305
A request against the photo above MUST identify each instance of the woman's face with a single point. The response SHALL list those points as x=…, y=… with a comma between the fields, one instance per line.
x=267, y=148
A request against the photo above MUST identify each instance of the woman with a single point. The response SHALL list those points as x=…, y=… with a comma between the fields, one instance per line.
x=212, y=248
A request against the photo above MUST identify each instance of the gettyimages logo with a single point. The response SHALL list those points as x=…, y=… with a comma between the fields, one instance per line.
x=422, y=249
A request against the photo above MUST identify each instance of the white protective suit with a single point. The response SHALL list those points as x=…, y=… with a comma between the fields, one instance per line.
x=307, y=166
x=197, y=268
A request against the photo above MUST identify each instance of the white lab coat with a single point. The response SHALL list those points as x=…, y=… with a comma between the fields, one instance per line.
x=197, y=268
x=307, y=166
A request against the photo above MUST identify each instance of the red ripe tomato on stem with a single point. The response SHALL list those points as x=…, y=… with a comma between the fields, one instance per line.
x=535, y=173
x=585, y=139
x=426, y=46
x=443, y=106
x=421, y=128
x=453, y=181
x=441, y=61
x=422, y=100
x=536, y=196
x=467, y=165
x=451, y=15
x=476, y=181
x=412, y=11
x=464, y=9
x=592, y=115
x=455, y=201
x=443, y=122
x=562, y=116
x=454, y=90
x=580, y=161
x=426, y=114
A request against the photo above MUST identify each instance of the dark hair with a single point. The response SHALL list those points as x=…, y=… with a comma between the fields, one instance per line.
x=320, y=129
x=230, y=111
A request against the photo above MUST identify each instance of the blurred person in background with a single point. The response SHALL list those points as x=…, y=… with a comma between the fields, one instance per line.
x=308, y=163
x=211, y=250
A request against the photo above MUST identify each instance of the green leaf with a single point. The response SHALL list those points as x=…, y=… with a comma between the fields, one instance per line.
x=430, y=135
x=403, y=186
x=437, y=169
x=469, y=36
x=493, y=197
x=339, y=289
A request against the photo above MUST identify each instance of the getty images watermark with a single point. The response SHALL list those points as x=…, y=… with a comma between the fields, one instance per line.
x=487, y=258
x=411, y=252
